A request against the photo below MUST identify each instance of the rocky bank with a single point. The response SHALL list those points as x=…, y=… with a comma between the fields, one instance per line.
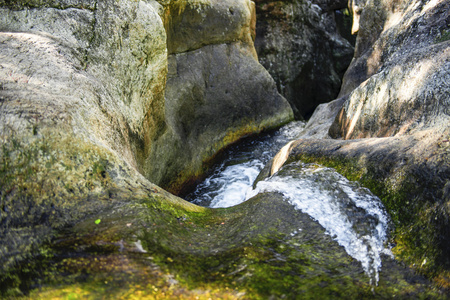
x=92, y=106
x=390, y=127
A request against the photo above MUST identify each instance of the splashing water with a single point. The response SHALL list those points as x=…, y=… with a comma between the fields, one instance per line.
x=230, y=181
x=352, y=215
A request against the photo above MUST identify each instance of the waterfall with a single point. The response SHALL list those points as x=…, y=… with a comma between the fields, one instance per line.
x=350, y=214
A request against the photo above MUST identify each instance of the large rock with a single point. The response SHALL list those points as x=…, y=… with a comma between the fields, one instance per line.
x=390, y=30
x=69, y=113
x=84, y=120
x=216, y=91
x=82, y=93
x=98, y=68
x=299, y=44
x=262, y=248
x=393, y=127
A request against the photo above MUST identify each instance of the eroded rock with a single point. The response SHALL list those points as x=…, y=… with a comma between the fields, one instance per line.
x=84, y=123
x=299, y=44
x=393, y=127
x=216, y=91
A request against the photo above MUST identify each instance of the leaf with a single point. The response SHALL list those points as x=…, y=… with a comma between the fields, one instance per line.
x=97, y=221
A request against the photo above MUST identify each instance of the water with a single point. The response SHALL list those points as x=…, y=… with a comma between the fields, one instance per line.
x=352, y=215
x=233, y=178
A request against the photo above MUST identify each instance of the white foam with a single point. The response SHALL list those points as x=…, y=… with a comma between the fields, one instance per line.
x=333, y=201
x=234, y=182
x=352, y=215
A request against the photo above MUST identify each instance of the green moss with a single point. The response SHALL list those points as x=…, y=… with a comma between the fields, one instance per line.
x=445, y=36
x=222, y=253
x=231, y=253
x=415, y=234
x=38, y=196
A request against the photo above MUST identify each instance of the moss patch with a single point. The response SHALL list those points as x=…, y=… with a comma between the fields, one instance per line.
x=416, y=233
x=251, y=251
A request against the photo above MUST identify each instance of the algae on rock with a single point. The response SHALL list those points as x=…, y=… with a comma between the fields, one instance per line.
x=84, y=122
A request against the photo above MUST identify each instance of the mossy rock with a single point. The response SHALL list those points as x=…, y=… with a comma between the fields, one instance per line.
x=252, y=251
x=412, y=185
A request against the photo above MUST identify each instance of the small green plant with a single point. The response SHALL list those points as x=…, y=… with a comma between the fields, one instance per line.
x=445, y=36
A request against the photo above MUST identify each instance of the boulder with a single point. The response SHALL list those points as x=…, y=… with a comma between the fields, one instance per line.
x=216, y=90
x=262, y=248
x=89, y=68
x=84, y=119
x=299, y=44
x=392, y=131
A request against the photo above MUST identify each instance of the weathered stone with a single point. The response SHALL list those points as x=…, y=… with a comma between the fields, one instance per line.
x=388, y=31
x=94, y=66
x=318, y=125
x=216, y=92
x=299, y=44
x=209, y=107
x=83, y=113
x=254, y=250
x=395, y=124
x=194, y=24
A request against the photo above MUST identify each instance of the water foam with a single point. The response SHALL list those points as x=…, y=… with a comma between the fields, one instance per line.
x=229, y=181
x=352, y=215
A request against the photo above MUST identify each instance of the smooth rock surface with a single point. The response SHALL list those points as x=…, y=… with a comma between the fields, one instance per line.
x=84, y=122
x=216, y=91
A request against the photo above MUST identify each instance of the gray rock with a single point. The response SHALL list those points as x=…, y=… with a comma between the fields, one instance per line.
x=216, y=91
x=299, y=44
x=395, y=123
x=84, y=122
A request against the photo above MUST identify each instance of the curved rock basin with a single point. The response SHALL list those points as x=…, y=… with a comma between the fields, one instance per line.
x=308, y=233
x=350, y=214
x=230, y=180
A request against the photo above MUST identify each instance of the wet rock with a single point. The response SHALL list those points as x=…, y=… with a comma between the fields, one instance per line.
x=83, y=114
x=392, y=129
x=262, y=248
x=207, y=103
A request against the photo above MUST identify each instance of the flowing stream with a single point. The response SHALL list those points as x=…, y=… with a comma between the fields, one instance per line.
x=352, y=215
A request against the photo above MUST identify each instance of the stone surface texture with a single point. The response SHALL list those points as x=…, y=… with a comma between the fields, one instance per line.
x=86, y=117
x=298, y=42
x=393, y=127
x=216, y=91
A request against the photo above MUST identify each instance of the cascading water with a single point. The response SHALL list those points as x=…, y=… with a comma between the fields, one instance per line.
x=352, y=215
x=230, y=180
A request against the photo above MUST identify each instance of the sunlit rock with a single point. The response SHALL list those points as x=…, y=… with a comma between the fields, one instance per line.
x=216, y=91
x=84, y=120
